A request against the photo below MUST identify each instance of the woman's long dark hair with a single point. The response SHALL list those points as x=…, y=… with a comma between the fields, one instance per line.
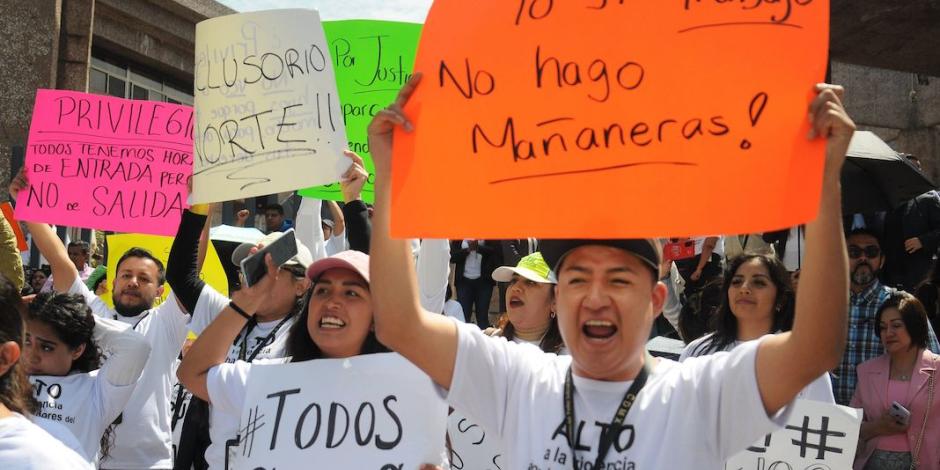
x=300, y=347
x=725, y=324
x=550, y=343
x=16, y=393
x=71, y=319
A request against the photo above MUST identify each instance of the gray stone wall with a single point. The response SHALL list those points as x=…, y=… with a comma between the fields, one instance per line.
x=902, y=108
x=29, y=57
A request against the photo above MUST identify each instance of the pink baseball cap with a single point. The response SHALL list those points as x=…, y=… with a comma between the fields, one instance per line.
x=352, y=260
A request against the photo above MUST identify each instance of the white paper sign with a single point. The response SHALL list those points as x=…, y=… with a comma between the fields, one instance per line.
x=375, y=411
x=268, y=117
x=470, y=446
x=818, y=436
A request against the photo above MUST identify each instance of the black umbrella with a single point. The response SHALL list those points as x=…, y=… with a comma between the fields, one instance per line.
x=876, y=178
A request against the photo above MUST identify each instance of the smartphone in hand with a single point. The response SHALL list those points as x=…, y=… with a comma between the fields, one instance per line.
x=282, y=249
x=900, y=413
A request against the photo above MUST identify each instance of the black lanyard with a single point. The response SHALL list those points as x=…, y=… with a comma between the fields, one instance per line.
x=115, y=316
x=243, y=348
x=607, y=437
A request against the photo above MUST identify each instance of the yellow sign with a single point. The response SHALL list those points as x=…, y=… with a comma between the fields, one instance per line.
x=212, y=271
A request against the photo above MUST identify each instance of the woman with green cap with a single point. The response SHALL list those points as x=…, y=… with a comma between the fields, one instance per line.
x=530, y=305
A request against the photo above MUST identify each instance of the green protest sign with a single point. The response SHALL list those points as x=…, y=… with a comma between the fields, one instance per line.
x=372, y=59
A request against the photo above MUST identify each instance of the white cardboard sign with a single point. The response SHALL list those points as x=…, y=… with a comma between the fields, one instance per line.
x=375, y=411
x=268, y=116
x=817, y=436
x=471, y=448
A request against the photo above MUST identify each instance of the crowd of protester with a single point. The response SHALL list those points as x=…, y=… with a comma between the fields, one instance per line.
x=840, y=310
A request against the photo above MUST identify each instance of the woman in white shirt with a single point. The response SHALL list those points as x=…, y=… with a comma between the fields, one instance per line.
x=23, y=445
x=530, y=305
x=63, y=360
x=758, y=300
x=336, y=322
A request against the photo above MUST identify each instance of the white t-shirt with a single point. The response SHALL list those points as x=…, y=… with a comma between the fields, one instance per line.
x=472, y=268
x=796, y=248
x=453, y=309
x=707, y=409
x=144, y=438
x=718, y=250
x=25, y=446
x=86, y=403
x=179, y=403
x=336, y=244
x=818, y=390
x=227, y=385
x=224, y=426
x=63, y=435
x=433, y=268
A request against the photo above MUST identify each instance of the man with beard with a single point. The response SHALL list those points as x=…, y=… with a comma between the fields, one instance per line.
x=867, y=294
x=142, y=437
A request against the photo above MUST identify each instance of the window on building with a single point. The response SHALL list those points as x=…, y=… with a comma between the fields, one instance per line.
x=107, y=78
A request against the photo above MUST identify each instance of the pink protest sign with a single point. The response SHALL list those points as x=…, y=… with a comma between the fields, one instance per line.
x=107, y=163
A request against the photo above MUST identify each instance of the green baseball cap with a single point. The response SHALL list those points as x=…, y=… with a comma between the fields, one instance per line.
x=532, y=267
x=99, y=272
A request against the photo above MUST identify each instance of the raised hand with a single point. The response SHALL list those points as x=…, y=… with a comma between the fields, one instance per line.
x=829, y=120
x=383, y=125
x=17, y=184
x=354, y=178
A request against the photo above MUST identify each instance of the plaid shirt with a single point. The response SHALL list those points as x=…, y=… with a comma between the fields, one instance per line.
x=863, y=343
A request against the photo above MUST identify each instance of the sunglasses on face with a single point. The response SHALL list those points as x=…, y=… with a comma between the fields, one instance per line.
x=870, y=252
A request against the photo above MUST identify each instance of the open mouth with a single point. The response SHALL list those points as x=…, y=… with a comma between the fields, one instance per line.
x=332, y=323
x=516, y=302
x=598, y=329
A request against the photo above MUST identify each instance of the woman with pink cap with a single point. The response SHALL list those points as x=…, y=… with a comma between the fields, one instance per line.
x=335, y=322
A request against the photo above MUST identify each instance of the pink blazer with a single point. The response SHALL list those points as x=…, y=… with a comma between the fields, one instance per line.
x=871, y=396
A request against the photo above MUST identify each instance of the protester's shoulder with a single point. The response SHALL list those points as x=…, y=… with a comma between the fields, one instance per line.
x=226, y=375
x=26, y=445
x=523, y=357
x=715, y=366
x=695, y=347
x=78, y=286
x=872, y=364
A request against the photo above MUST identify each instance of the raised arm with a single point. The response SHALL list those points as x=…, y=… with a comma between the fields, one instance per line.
x=426, y=339
x=788, y=362
x=49, y=244
x=182, y=269
x=355, y=212
x=213, y=343
x=127, y=351
x=433, y=268
x=707, y=248
x=339, y=221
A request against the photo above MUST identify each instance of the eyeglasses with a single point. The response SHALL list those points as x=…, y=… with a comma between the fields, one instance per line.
x=295, y=270
x=870, y=252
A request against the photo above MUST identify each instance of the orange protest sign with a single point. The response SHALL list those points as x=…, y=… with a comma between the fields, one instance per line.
x=17, y=230
x=606, y=118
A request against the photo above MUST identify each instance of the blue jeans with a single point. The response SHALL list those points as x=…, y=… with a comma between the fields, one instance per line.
x=475, y=293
